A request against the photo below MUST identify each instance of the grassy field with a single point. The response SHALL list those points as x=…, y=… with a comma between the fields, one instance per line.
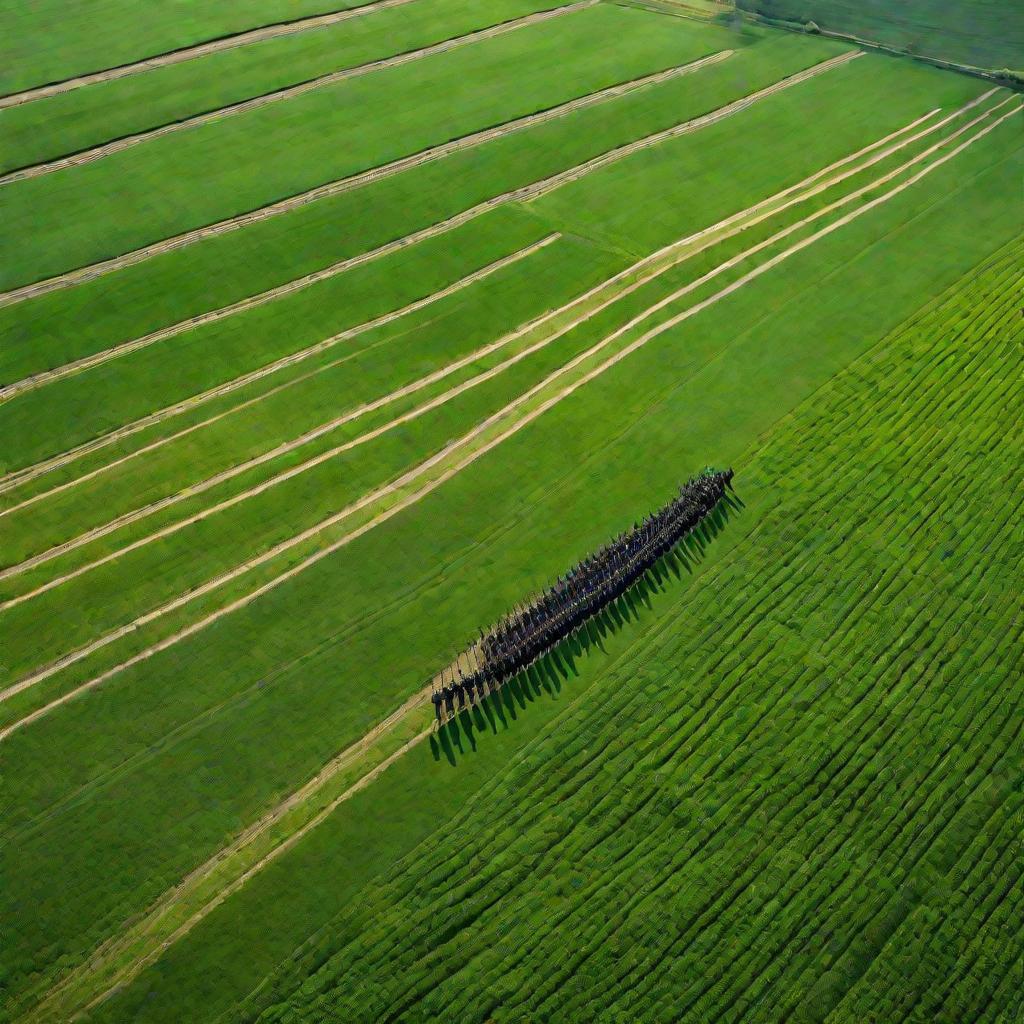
x=978, y=33
x=259, y=484
x=787, y=842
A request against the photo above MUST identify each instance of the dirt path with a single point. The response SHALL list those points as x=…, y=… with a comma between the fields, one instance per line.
x=88, y=156
x=400, y=484
x=683, y=249
x=341, y=185
x=19, y=477
x=163, y=60
x=150, y=925
x=96, y=270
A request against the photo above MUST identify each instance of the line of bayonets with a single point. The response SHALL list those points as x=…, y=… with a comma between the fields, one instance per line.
x=524, y=636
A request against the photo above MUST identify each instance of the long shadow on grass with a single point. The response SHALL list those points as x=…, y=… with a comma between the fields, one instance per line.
x=544, y=680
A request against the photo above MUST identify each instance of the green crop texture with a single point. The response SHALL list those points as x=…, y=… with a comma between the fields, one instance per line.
x=801, y=802
x=328, y=333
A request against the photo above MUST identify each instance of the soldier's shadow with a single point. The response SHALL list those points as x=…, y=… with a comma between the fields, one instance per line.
x=460, y=736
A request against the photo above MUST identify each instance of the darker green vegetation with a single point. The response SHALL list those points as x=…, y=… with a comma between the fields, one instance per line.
x=979, y=33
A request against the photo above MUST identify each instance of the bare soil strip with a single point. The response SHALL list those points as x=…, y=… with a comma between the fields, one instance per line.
x=149, y=927
x=41, y=468
x=234, y=223
x=88, y=156
x=399, y=487
x=679, y=251
x=256, y=35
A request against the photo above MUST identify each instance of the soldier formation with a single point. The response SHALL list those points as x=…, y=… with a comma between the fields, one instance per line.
x=527, y=634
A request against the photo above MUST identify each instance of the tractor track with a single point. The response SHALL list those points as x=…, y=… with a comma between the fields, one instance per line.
x=17, y=477
x=218, y=391
x=154, y=914
x=186, y=53
x=679, y=251
x=44, y=377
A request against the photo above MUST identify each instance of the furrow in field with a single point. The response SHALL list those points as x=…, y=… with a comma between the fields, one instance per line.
x=18, y=477
x=399, y=487
x=220, y=390
x=454, y=392
x=256, y=35
x=231, y=224
x=88, y=156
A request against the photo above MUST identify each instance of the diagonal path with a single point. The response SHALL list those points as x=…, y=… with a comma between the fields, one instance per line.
x=17, y=477
x=220, y=390
x=375, y=174
x=162, y=60
x=399, y=490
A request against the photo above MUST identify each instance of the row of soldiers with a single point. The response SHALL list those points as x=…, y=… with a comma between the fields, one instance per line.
x=528, y=633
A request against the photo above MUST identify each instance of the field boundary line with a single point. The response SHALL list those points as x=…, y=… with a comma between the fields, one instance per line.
x=91, y=154
x=683, y=251
x=219, y=390
x=397, y=485
x=274, y=30
x=218, y=228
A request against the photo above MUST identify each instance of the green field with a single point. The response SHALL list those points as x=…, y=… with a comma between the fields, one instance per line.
x=296, y=396
x=977, y=33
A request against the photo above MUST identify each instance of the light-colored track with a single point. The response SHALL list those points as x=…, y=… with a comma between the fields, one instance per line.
x=163, y=60
x=334, y=188
x=169, y=901
x=684, y=249
x=220, y=390
x=88, y=156
x=187, y=238
x=400, y=486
